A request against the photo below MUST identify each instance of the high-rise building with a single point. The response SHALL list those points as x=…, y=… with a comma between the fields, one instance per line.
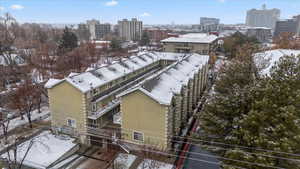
x=209, y=24
x=83, y=32
x=209, y=21
x=92, y=27
x=130, y=30
x=262, y=17
x=288, y=25
x=101, y=30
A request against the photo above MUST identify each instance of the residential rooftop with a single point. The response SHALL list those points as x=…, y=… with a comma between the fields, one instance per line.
x=192, y=38
x=164, y=85
x=94, y=78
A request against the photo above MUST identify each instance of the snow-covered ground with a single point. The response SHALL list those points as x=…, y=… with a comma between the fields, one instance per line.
x=46, y=148
x=124, y=161
x=152, y=164
x=17, y=122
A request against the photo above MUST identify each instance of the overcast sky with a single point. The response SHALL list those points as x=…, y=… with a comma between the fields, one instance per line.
x=149, y=11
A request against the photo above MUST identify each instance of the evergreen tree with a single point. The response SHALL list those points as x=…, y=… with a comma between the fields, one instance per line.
x=68, y=41
x=115, y=44
x=260, y=113
x=236, y=41
x=145, y=41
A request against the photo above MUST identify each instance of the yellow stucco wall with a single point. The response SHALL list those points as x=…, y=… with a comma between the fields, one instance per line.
x=142, y=114
x=67, y=102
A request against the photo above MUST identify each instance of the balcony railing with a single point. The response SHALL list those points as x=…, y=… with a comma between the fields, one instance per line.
x=110, y=106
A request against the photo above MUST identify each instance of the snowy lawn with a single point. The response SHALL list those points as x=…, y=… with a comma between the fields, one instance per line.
x=17, y=122
x=152, y=164
x=124, y=161
x=46, y=148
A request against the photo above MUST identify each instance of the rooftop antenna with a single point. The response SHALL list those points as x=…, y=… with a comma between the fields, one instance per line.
x=264, y=6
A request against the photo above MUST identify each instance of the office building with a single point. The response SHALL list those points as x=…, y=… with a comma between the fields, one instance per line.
x=92, y=27
x=130, y=30
x=262, y=17
x=209, y=21
x=209, y=24
x=101, y=30
x=288, y=26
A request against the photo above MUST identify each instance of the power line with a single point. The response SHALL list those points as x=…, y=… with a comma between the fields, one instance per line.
x=219, y=143
x=178, y=150
x=207, y=155
x=168, y=154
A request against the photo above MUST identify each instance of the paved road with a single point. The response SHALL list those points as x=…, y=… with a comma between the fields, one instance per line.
x=192, y=164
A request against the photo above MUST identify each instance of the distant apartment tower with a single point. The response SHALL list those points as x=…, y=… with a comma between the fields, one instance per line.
x=157, y=34
x=209, y=21
x=288, y=25
x=83, y=32
x=101, y=30
x=263, y=17
x=130, y=30
x=209, y=24
x=92, y=27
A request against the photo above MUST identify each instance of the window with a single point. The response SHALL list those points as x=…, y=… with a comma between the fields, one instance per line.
x=94, y=107
x=71, y=123
x=95, y=91
x=138, y=136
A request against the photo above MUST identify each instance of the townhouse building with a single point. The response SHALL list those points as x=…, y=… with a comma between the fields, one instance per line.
x=154, y=112
x=85, y=105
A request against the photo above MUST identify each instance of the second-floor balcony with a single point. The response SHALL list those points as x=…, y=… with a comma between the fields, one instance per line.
x=103, y=110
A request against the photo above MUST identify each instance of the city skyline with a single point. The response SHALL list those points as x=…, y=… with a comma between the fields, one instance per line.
x=150, y=12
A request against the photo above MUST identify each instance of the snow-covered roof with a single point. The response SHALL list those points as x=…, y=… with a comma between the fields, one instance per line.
x=124, y=160
x=162, y=86
x=148, y=164
x=46, y=149
x=192, y=38
x=259, y=28
x=101, y=76
x=52, y=82
x=272, y=57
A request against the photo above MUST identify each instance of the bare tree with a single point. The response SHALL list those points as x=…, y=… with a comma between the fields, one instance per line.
x=26, y=97
x=13, y=158
x=4, y=124
x=286, y=40
x=9, y=31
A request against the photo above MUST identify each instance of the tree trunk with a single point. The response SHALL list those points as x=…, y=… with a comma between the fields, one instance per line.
x=29, y=119
x=39, y=105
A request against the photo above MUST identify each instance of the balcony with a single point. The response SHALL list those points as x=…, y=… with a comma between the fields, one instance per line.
x=110, y=106
x=108, y=130
x=117, y=119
